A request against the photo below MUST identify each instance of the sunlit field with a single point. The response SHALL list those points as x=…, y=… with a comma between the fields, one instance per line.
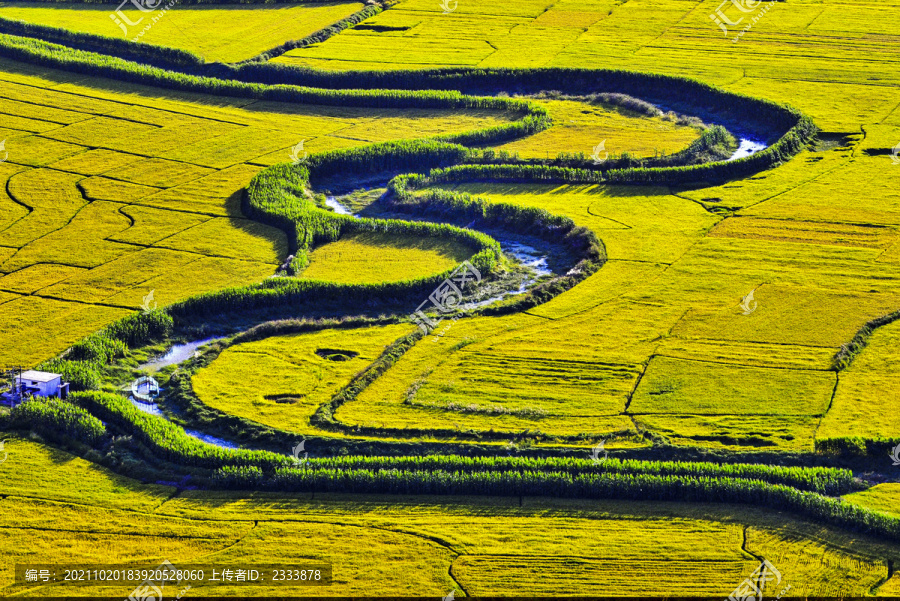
x=458, y=299
x=218, y=33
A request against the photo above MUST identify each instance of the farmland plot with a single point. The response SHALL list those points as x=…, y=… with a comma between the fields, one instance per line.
x=224, y=33
x=493, y=545
x=126, y=191
x=302, y=371
x=711, y=327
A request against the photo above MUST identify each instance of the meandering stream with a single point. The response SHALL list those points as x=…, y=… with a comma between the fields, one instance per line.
x=154, y=409
x=175, y=355
x=337, y=207
x=178, y=353
x=535, y=260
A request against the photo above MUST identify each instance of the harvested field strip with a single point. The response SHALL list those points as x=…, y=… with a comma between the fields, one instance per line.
x=675, y=386
x=806, y=232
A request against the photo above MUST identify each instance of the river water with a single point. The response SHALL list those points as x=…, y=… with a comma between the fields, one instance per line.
x=747, y=147
x=154, y=409
x=175, y=355
x=530, y=257
x=337, y=207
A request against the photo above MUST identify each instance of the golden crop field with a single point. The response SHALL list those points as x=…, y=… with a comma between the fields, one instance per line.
x=814, y=247
x=105, y=202
x=728, y=323
x=479, y=545
x=672, y=292
x=580, y=127
x=867, y=392
x=221, y=33
x=302, y=371
x=374, y=257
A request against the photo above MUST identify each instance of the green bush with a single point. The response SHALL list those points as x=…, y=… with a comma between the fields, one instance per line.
x=59, y=420
x=168, y=439
x=81, y=375
x=238, y=476
x=852, y=446
x=829, y=481
x=141, y=328
x=97, y=348
x=114, y=341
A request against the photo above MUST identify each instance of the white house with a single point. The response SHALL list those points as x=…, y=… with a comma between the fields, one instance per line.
x=42, y=383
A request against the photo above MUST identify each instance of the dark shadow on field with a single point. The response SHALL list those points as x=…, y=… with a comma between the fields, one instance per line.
x=111, y=6
x=233, y=207
x=272, y=234
x=12, y=438
x=336, y=504
x=67, y=7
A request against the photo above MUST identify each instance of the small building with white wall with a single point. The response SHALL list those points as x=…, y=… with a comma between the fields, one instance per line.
x=42, y=383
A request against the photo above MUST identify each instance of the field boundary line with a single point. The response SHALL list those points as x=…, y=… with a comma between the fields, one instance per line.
x=84, y=199
x=634, y=388
x=837, y=381
x=792, y=188
x=726, y=340
x=110, y=533
x=741, y=364
x=745, y=544
x=237, y=541
x=78, y=302
x=865, y=135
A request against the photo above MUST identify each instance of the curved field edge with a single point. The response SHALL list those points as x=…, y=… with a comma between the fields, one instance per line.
x=855, y=446
x=534, y=119
x=796, y=136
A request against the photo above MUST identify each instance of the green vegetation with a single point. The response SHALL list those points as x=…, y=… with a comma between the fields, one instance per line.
x=725, y=328
x=828, y=481
x=361, y=532
x=602, y=486
x=59, y=420
x=80, y=266
x=167, y=439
